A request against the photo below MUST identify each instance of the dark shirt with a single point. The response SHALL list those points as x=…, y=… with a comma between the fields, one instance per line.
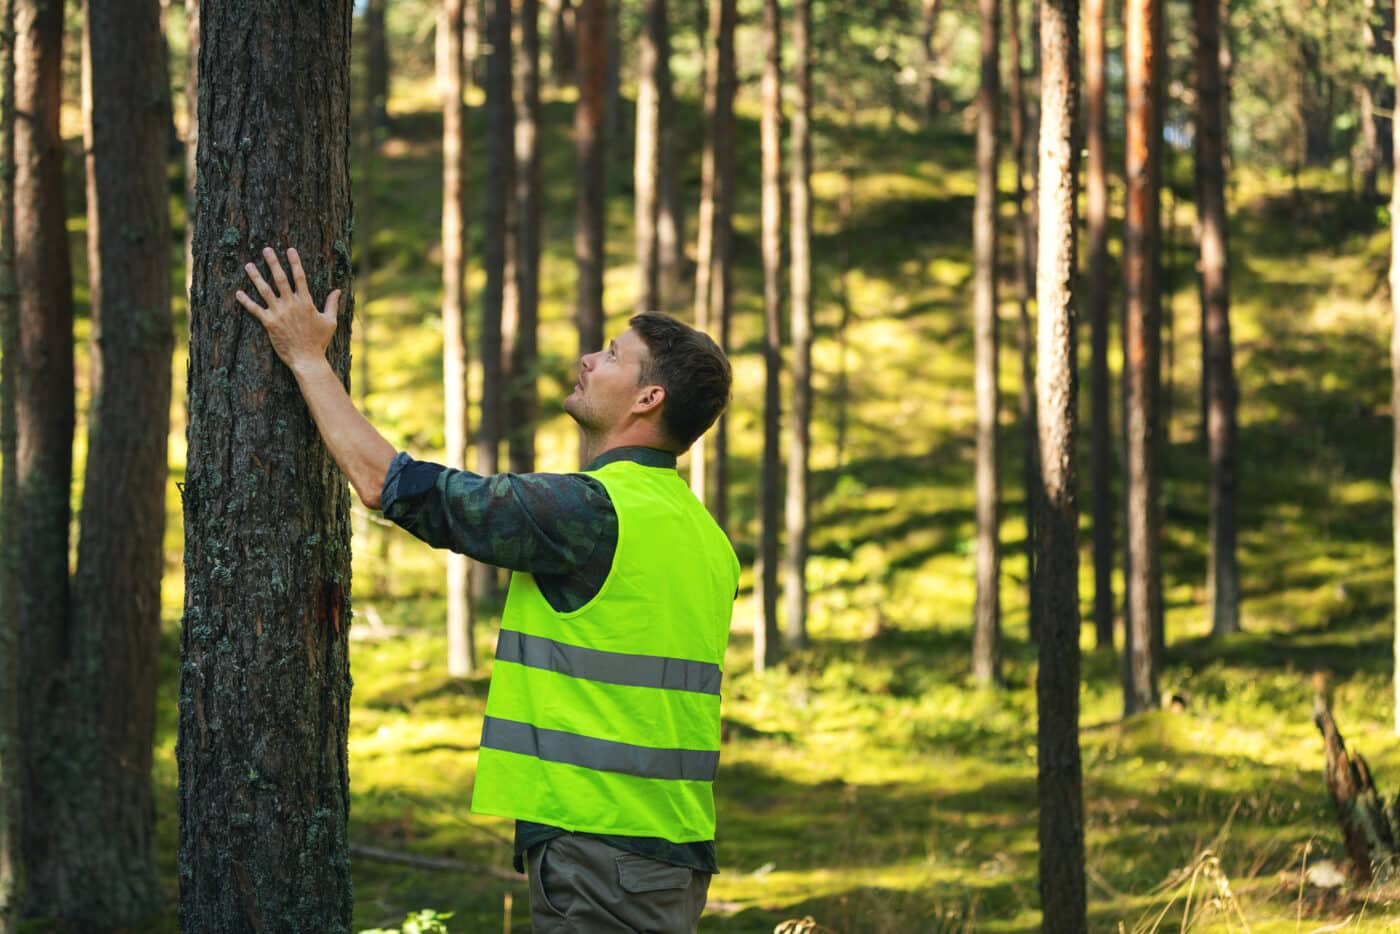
x=562, y=528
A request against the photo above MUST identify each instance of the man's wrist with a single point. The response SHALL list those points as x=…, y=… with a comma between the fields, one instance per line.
x=304, y=368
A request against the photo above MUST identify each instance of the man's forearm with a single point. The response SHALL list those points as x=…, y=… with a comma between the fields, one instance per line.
x=361, y=451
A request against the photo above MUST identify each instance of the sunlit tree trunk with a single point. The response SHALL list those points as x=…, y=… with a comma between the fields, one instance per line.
x=265, y=674
x=986, y=633
x=1101, y=441
x=1030, y=471
x=1059, y=781
x=522, y=350
x=646, y=164
x=590, y=145
x=800, y=421
x=114, y=634
x=1142, y=339
x=714, y=244
x=43, y=464
x=1215, y=270
x=767, y=647
x=461, y=623
x=10, y=770
x=928, y=80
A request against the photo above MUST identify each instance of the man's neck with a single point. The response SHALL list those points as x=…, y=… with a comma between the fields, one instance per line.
x=592, y=447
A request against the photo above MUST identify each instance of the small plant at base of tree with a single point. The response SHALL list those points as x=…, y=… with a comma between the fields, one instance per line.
x=423, y=921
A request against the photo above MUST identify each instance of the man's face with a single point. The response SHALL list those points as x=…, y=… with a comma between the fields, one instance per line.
x=608, y=383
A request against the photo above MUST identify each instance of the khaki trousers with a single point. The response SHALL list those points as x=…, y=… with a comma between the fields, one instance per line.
x=579, y=885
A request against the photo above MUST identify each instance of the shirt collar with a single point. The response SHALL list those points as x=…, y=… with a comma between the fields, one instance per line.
x=647, y=457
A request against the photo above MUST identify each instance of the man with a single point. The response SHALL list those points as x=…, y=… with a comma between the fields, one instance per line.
x=601, y=736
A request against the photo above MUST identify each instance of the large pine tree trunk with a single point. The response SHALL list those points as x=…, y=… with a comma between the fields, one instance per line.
x=522, y=353
x=1060, y=782
x=1101, y=443
x=461, y=643
x=10, y=772
x=767, y=648
x=44, y=454
x=114, y=640
x=800, y=421
x=986, y=632
x=265, y=680
x=1142, y=339
x=646, y=163
x=1215, y=273
x=590, y=145
x=1025, y=246
x=714, y=243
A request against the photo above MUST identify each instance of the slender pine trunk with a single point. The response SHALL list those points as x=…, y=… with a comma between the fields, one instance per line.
x=11, y=771
x=522, y=402
x=590, y=145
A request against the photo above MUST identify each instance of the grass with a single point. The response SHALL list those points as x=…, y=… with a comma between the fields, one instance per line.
x=867, y=784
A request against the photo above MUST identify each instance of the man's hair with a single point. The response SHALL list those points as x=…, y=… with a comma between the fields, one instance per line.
x=691, y=368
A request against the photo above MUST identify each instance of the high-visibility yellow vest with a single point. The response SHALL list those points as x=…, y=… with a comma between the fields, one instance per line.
x=606, y=719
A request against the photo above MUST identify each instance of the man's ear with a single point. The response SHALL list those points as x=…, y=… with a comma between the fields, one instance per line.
x=649, y=399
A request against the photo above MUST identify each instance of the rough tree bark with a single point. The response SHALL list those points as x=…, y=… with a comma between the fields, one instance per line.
x=10, y=771
x=461, y=622
x=1142, y=341
x=1025, y=246
x=986, y=631
x=767, y=647
x=590, y=145
x=114, y=635
x=1101, y=441
x=264, y=679
x=1060, y=779
x=44, y=451
x=715, y=239
x=800, y=421
x=522, y=350
x=1223, y=579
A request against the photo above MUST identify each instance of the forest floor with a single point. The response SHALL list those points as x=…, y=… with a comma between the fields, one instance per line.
x=867, y=783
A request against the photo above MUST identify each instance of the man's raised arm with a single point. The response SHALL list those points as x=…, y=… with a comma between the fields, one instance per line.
x=300, y=335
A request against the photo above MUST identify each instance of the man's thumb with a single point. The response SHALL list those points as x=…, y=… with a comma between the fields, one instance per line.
x=332, y=304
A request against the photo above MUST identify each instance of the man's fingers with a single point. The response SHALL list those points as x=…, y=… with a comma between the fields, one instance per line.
x=260, y=283
x=284, y=288
x=298, y=274
x=333, y=304
x=247, y=302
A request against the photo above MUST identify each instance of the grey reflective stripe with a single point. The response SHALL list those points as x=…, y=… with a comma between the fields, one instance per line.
x=602, y=755
x=642, y=671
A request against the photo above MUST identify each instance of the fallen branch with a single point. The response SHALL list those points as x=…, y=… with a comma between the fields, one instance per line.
x=431, y=862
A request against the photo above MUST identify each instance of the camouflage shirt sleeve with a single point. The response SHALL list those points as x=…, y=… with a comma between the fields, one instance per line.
x=551, y=525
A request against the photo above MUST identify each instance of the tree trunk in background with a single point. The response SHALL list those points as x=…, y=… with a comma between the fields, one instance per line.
x=928, y=81
x=715, y=240
x=767, y=646
x=522, y=354
x=612, y=111
x=646, y=163
x=10, y=763
x=191, y=131
x=265, y=677
x=461, y=622
x=800, y=422
x=378, y=61
x=1101, y=441
x=498, y=251
x=1030, y=469
x=670, y=194
x=562, y=42
x=1059, y=781
x=590, y=145
x=986, y=632
x=1395, y=367
x=1142, y=340
x=114, y=635
x=44, y=458
x=1215, y=268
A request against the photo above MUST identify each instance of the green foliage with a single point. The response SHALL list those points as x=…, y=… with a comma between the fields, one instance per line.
x=424, y=921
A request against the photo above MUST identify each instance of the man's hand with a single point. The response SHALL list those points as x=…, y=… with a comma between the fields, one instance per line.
x=299, y=333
